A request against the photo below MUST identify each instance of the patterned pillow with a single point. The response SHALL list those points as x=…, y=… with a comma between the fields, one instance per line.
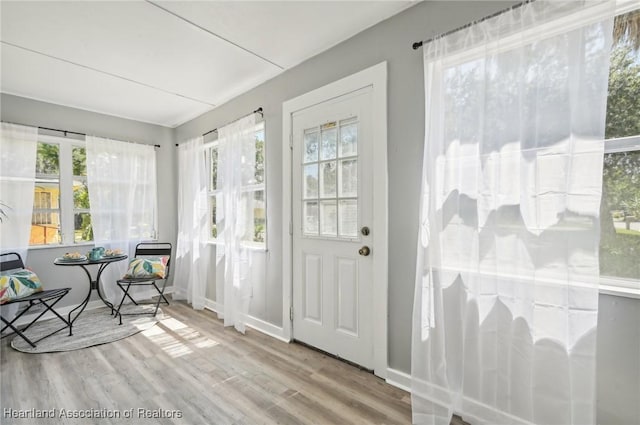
x=151, y=267
x=18, y=284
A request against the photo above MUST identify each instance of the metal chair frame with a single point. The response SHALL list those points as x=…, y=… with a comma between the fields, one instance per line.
x=47, y=298
x=143, y=250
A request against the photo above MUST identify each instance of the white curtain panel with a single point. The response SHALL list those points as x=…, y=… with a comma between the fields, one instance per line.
x=121, y=178
x=193, y=254
x=506, y=297
x=18, y=148
x=236, y=169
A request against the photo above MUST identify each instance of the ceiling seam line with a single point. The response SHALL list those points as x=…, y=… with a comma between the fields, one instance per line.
x=214, y=34
x=107, y=73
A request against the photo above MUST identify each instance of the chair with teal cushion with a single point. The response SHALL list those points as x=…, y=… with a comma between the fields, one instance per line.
x=20, y=285
x=151, y=263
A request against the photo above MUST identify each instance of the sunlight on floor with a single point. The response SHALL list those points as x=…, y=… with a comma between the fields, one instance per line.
x=173, y=346
x=173, y=324
x=187, y=333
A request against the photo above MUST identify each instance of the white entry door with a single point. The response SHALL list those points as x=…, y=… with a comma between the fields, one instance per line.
x=332, y=208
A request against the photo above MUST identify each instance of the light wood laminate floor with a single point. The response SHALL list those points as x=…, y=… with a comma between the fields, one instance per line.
x=191, y=364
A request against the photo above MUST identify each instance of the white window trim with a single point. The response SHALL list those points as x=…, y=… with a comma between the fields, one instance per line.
x=253, y=246
x=611, y=285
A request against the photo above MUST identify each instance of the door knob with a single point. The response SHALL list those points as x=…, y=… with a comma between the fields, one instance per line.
x=364, y=251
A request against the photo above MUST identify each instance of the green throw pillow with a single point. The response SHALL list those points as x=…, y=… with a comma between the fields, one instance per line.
x=18, y=284
x=150, y=268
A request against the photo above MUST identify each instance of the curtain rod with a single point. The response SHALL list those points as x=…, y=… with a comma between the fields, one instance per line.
x=419, y=44
x=67, y=132
x=257, y=111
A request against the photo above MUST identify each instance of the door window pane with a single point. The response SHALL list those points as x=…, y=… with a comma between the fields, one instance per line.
x=328, y=218
x=310, y=146
x=329, y=139
x=310, y=215
x=348, y=213
x=348, y=139
x=349, y=178
x=328, y=179
x=311, y=181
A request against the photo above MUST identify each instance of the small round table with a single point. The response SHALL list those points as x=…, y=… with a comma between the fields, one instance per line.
x=93, y=283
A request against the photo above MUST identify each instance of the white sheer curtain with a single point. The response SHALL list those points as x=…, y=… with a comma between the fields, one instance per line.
x=193, y=254
x=506, y=300
x=18, y=148
x=236, y=169
x=121, y=178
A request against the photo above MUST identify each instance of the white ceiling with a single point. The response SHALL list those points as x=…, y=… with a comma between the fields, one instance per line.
x=166, y=62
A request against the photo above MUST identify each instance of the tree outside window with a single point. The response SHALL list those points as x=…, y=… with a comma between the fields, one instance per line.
x=620, y=209
x=61, y=196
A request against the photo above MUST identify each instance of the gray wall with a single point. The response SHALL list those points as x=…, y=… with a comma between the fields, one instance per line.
x=388, y=41
x=618, y=360
x=40, y=114
x=619, y=347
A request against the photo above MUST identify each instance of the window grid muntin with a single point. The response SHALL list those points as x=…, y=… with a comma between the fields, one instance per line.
x=306, y=200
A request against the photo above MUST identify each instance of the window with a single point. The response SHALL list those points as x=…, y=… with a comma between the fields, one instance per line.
x=253, y=192
x=61, y=198
x=45, y=222
x=620, y=212
x=330, y=170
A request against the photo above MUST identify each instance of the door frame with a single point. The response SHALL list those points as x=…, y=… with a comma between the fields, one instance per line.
x=376, y=77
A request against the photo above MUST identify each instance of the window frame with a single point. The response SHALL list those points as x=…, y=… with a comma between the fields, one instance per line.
x=66, y=208
x=613, y=285
x=251, y=188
